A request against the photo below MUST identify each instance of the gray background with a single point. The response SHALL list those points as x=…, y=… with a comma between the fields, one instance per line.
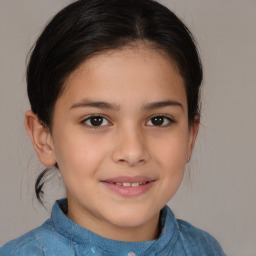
x=219, y=193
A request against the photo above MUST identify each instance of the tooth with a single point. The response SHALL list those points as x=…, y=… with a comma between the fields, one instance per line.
x=126, y=184
x=135, y=184
x=119, y=184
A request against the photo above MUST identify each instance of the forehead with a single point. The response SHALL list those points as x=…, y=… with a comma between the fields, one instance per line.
x=140, y=72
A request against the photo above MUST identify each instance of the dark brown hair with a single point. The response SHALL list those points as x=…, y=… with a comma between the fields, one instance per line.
x=88, y=27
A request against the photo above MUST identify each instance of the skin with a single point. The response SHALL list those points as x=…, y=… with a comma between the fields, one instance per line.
x=127, y=143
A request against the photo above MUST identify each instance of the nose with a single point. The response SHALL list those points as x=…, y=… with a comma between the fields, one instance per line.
x=130, y=147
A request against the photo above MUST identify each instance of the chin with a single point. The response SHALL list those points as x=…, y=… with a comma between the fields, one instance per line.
x=128, y=222
x=130, y=219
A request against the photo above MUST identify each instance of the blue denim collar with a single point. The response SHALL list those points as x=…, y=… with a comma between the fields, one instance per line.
x=79, y=235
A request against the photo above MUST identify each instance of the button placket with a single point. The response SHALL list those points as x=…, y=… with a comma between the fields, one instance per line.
x=131, y=253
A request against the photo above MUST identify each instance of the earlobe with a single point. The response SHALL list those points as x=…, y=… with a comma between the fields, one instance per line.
x=41, y=139
x=192, y=137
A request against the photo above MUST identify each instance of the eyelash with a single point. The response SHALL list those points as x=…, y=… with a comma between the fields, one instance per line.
x=169, y=120
x=89, y=118
x=94, y=126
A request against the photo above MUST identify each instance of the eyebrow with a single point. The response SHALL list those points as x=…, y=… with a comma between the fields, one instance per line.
x=162, y=104
x=95, y=104
x=111, y=106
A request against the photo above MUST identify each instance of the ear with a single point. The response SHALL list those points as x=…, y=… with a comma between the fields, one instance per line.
x=41, y=139
x=193, y=131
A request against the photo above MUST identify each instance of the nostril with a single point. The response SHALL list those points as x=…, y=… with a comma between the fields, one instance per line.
x=131, y=151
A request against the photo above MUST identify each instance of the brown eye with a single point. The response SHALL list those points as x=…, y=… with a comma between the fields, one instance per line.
x=159, y=121
x=96, y=121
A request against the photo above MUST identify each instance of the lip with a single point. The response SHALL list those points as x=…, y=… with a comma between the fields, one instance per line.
x=129, y=191
x=129, y=179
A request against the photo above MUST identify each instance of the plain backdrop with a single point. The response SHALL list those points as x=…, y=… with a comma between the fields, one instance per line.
x=219, y=192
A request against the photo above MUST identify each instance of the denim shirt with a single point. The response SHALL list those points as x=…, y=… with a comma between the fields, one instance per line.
x=61, y=236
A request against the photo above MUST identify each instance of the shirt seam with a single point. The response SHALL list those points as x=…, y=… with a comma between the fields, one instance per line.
x=22, y=244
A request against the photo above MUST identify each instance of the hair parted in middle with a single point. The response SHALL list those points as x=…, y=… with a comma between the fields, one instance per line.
x=89, y=27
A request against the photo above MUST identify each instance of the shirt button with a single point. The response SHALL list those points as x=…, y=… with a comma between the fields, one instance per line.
x=131, y=253
x=93, y=249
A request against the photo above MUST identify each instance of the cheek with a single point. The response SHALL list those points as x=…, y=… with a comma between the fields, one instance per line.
x=171, y=155
x=79, y=164
x=173, y=149
x=78, y=155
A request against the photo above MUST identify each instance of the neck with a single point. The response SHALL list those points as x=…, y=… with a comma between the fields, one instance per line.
x=145, y=232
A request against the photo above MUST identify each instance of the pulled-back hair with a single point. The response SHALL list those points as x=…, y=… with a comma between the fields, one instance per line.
x=89, y=27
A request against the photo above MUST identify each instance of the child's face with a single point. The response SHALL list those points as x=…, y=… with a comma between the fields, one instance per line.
x=125, y=145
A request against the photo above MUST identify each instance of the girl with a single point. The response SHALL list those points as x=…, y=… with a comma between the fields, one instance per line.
x=114, y=92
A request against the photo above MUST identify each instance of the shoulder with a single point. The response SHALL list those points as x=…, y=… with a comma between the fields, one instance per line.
x=198, y=240
x=40, y=241
x=27, y=244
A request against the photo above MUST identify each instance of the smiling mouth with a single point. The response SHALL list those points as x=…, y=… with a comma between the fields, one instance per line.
x=128, y=184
